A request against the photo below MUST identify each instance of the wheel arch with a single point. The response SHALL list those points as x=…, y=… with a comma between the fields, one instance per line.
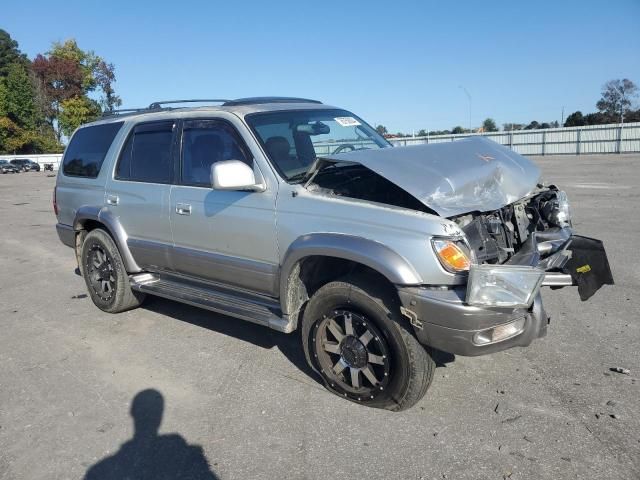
x=342, y=254
x=90, y=217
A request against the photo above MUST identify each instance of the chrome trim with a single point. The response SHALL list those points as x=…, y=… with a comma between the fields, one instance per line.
x=557, y=280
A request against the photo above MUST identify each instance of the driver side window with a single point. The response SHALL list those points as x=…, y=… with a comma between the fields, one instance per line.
x=205, y=142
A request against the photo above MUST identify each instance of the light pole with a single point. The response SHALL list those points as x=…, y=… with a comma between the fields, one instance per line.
x=468, y=98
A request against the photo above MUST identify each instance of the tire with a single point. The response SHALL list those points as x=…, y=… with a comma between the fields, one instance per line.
x=393, y=370
x=105, y=275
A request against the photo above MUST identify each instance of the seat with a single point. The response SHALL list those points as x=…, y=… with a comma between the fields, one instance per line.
x=278, y=149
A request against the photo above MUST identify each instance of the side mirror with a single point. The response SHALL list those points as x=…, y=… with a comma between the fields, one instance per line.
x=233, y=175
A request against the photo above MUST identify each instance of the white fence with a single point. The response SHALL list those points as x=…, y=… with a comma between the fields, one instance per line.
x=614, y=138
x=40, y=158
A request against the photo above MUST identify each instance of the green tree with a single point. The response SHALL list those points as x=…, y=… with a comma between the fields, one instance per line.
x=422, y=133
x=18, y=97
x=9, y=53
x=574, y=120
x=75, y=112
x=457, y=130
x=489, y=125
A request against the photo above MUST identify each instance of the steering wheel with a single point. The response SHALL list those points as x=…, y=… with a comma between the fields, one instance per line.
x=344, y=147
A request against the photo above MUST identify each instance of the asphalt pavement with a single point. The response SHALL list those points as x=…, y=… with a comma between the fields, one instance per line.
x=233, y=400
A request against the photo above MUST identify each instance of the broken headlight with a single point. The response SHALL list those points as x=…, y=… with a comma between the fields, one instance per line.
x=557, y=211
x=503, y=285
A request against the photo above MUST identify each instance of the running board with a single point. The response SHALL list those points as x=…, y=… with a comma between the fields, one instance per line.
x=235, y=303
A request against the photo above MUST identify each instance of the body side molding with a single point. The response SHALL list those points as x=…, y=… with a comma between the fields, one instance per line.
x=373, y=254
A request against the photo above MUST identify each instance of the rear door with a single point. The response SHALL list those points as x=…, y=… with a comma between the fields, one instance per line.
x=140, y=189
x=222, y=236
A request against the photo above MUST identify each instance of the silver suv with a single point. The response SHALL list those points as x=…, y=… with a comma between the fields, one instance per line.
x=296, y=215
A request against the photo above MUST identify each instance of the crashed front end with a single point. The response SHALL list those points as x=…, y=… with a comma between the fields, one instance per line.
x=513, y=252
x=516, y=237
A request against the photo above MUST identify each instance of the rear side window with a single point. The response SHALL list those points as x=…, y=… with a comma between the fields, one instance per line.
x=146, y=156
x=88, y=147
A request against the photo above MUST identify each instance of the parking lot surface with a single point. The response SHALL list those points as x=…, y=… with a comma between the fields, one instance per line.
x=236, y=401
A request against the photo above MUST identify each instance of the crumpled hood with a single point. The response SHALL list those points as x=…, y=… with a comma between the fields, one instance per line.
x=453, y=178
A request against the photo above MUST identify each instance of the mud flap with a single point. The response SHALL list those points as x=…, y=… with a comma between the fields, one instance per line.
x=588, y=265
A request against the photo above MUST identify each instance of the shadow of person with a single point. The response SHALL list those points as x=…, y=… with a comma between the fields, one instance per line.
x=149, y=455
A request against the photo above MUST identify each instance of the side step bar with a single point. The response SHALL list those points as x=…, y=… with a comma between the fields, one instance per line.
x=235, y=303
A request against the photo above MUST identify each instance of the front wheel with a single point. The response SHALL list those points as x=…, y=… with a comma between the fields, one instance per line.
x=105, y=275
x=363, y=348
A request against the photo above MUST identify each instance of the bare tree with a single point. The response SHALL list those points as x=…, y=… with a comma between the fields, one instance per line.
x=616, y=98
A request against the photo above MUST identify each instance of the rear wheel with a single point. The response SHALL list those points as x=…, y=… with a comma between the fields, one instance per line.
x=105, y=275
x=363, y=348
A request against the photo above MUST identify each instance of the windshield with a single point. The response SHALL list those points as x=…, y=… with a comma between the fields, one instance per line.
x=294, y=139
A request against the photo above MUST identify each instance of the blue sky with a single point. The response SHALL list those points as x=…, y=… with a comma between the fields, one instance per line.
x=397, y=63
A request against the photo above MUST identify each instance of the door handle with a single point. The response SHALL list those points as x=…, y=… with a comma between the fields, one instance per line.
x=113, y=200
x=183, y=209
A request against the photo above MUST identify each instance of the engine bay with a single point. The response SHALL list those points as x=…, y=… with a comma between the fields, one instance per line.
x=496, y=236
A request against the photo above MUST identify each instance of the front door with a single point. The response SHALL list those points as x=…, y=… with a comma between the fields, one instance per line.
x=219, y=235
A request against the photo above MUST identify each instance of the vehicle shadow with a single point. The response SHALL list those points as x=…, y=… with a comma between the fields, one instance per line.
x=289, y=344
x=149, y=455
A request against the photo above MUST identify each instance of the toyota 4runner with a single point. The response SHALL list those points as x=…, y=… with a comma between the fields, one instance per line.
x=296, y=215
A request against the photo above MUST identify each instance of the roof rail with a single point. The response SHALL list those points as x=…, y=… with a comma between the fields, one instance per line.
x=259, y=100
x=157, y=105
x=123, y=111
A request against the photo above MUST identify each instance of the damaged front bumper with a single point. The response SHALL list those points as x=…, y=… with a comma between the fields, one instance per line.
x=501, y=305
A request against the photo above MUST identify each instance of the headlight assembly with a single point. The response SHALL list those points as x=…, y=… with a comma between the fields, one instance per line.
x=451, y=255
x=503, y=285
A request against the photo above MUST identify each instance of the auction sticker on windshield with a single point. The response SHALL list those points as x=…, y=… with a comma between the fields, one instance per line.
x=347, y=121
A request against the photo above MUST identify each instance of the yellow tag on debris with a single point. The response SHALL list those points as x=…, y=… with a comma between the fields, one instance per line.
x=583, y=269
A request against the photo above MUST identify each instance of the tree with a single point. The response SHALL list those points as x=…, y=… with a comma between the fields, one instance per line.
x=105, y=76
x=67, y=72
x=489, y=125
x=75, y=112
x=532, y=126
x=422, y=133
x=457, y=130
x=616, y=98
x=381, y=129
x=9, y=53
x=60, y=79
x=575, y=120
x=17, y=97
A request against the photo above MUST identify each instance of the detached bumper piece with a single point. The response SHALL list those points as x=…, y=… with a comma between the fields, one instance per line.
x=588, y=265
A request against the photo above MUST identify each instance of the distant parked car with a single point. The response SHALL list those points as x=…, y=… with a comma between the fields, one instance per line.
x=25, y=165
x=6, y=167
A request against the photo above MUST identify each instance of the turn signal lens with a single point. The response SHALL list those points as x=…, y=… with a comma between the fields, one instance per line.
x=451, y=255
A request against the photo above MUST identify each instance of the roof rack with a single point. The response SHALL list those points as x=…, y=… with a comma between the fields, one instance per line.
x=260, y=100
x=157, y=105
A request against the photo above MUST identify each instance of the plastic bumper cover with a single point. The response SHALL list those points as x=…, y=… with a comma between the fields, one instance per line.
x=443, y=321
